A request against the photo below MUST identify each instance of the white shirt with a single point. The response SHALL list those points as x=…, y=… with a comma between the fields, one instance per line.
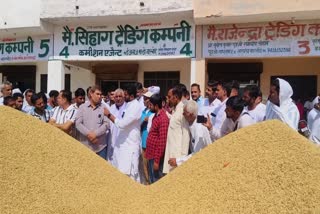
x=114, y=131
x=27, y=108
x=229, y=125
x=127, y=146
x=258, y=113
x=61, y=116
x=200, y=138
x=1, y=101
x=208, y=108
x=314, y=125
x=219, y=115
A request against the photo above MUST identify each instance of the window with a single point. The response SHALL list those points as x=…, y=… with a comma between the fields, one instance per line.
x=44, y=82
x=302, y=86
x=165, y=80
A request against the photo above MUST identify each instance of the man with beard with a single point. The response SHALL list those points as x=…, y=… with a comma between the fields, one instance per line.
x=280, y=105
x=39, y=111
x=92, y=124
x=211, y=102
x=19, y=100
x=236, y=118
x=219, y=115
x=253, y=105
x=157, y=138
x=178, y=134
x=127, y=146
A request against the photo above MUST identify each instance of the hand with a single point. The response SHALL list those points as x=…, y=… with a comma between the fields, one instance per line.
x=106, y=111
x=208, y=124
x=155, y=166
x=91, y=136
x=172, y=162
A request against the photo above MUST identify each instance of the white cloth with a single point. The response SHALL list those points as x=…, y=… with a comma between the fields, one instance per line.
x=114, y=131
x=314, y=125
x=308, y=105
x=258, y=113
x=178, y=137
x=200, y=138
x=27, y=108
x=229, y=125
x=315, y=101
x=127, y=146
x=287, y=112
x=219, y=115
x=61, y=116
x=208, y=108
x=1, y=101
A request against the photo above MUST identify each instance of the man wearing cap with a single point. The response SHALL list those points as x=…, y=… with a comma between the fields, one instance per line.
x=146, y=113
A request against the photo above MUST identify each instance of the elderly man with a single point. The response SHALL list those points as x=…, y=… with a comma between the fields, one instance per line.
x=127, y=146
x=92, y=124
x=6, y=90
x=314, y=123
x=280, y=105
x=178, y=134
x=117, y=110
x=200, y=136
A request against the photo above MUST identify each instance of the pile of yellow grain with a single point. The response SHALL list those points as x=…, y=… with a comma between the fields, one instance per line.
x=266, y=168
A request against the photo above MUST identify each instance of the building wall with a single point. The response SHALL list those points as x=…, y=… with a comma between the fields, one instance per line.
x=62, y=8
x=225, y=11
x=182, y=65
x=19, y=14
x=287, y=67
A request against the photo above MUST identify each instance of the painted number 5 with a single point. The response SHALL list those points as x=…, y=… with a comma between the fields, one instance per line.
x=304, y=47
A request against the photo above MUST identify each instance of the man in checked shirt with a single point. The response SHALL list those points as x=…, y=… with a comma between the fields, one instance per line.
x=157, y=138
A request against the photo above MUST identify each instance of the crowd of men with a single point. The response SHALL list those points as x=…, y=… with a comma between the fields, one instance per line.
x=145, y=135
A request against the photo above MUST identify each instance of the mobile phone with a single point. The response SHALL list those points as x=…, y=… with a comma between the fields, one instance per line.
x=201, y=119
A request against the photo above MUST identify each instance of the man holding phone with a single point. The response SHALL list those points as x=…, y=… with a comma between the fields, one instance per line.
x=200, y=136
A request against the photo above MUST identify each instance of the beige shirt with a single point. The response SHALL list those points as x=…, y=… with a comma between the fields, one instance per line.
x=178, y=138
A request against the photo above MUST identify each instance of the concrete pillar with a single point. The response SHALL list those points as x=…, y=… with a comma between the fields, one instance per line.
x=55, y=75
x=193, y=69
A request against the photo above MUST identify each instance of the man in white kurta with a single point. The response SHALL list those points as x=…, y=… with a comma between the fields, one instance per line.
x=178, y=134
x=127, y=145
x=117, y=110
x=200, y=136
x=280, y=105
x=314, y=123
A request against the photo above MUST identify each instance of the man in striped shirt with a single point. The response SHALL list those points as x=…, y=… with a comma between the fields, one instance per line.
x=64, y=114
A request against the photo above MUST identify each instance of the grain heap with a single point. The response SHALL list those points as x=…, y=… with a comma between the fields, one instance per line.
x=266, y=168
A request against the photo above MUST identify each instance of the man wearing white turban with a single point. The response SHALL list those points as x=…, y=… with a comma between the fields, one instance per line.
x=280, y=105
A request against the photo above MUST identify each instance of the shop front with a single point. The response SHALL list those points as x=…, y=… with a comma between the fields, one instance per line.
x=256, y=53
x=153, y=52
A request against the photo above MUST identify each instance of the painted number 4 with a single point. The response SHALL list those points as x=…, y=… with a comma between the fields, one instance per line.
x=304, y=47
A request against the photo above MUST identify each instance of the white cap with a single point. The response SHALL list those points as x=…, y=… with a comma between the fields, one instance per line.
x=154, y=90
x=148, y=94
x=16, y=90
